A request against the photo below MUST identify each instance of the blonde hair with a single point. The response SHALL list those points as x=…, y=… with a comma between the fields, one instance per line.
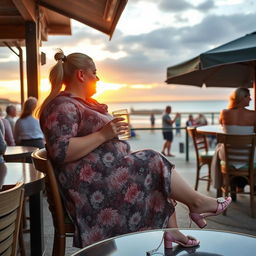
x=237, y=96
x=62, y=72
x=28, y=107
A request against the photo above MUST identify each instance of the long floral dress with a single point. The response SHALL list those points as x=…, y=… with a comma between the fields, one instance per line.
x=110, y=191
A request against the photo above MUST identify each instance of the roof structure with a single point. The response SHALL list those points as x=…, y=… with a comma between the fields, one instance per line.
x=29, y=22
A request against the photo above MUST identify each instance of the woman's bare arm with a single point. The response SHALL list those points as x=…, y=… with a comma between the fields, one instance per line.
x=81, y=146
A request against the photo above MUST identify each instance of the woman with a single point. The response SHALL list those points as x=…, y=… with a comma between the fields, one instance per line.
x=238, y=120
x=108, y=190
x=27, y=131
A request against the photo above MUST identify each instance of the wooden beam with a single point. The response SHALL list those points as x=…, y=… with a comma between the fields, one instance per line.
x=27, y=9
x=12, y=31
x=59, y=29
x=32, y=57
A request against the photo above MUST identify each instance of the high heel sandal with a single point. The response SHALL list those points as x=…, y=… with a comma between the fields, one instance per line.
x=199, y=218
x=169, y=239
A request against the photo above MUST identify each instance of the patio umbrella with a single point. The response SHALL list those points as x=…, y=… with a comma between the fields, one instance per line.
x=230, y=65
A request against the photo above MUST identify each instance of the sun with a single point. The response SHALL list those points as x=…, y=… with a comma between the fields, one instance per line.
x=103, y=87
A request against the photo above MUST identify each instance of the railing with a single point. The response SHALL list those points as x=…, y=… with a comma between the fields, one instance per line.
x=212, y=118
x=186, y=142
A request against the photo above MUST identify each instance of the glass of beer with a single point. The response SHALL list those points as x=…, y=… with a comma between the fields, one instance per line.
x=124, y=114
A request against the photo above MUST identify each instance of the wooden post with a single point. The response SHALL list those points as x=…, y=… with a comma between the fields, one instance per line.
x=32, y=49
x=254, y=86
x=21, y=76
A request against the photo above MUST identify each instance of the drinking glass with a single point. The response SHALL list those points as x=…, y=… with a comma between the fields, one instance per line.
x=124, y=114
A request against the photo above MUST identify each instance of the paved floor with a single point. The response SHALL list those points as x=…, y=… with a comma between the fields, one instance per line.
x=238, y=215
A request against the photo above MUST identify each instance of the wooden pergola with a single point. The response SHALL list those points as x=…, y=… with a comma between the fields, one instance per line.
x=29, y=22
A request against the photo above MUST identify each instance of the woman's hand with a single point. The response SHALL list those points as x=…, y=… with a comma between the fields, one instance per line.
x=114, y=128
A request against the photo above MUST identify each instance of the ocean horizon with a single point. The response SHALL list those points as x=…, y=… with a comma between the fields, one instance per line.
x=177, y=106
x=192, y=106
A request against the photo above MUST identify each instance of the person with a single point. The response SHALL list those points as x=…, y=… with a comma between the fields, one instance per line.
x=201, y=120
x=167, y=123
x=93, y=166
x=152, y=120
x=27, y=131
x=7, y=130
x=2, y=142
x=236, y=119
x=11, y=114
x=178, y=124
x=190, y=122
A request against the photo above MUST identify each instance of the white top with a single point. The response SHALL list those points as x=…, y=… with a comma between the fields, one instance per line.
x=238, y=129
x=27, y=128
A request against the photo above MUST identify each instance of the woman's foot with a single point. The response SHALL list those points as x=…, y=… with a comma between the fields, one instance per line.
x=175, y=236
x=199, y=218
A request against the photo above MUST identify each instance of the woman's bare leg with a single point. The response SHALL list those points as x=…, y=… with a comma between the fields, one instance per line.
x=172, y=223
x=196, y=202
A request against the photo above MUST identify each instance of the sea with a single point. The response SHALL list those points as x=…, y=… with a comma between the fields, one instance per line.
x=210, y=108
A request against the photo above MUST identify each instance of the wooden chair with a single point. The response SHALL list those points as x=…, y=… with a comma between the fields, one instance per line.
x=203, y=156
x=63, y=226
x=11, y=202
x=239, y=149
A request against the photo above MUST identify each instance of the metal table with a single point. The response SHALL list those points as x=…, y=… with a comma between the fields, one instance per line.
x=213, y=243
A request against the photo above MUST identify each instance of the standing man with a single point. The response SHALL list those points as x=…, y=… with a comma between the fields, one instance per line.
x=10, y=115
x=167, y=123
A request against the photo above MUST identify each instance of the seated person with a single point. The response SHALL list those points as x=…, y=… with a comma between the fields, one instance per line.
x=107, y=189
x=201, y=120
x=236, y=119
x=27, y=131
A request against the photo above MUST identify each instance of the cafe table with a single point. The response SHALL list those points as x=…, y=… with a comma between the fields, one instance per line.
x=10, y=174
x=209, y=129
x=18, y=153
x=147, y=243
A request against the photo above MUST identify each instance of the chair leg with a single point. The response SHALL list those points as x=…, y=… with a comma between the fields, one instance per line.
x=209, y=177
x=59, y=245
x=197, y=177
x=21, y=240
x=252, y=197
x=227, y=186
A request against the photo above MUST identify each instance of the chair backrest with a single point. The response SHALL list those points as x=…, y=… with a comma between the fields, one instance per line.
x=199, y=141
x=11, y=202
x=43, y=164
x=238, y=150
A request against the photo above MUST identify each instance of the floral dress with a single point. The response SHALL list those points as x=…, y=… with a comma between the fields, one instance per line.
x=110, y=191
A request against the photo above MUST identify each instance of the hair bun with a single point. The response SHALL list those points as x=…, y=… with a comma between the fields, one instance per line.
x=60, y=56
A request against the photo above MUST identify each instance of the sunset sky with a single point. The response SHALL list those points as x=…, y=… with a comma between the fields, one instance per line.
x=150, y=36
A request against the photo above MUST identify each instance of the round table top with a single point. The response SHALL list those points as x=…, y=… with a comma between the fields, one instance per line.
x=209, y=129
x=212, y=243
x=18, y=153
x=11, y=173
x=17, y=150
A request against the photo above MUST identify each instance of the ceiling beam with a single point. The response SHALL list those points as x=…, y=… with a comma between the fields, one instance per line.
x=27, y=9
x=14, y=31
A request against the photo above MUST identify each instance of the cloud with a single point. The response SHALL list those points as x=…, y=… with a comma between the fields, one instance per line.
x=174, y=5
x=206, y=6
x=148, y=55
x=145, y=56
x=10, y=70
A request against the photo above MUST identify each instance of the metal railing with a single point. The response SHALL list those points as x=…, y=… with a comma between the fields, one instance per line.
x=186, y=142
